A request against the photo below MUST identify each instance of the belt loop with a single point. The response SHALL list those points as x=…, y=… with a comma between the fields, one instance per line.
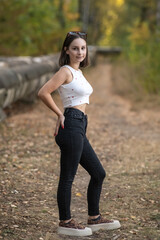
x=66, y=110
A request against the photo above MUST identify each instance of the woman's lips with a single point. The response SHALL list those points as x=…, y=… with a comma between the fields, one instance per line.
x=79, y=57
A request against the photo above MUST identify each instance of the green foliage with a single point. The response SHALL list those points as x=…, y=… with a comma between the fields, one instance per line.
x=133, y=25
x=34, y=27
x=143, y=47
x=145, y=60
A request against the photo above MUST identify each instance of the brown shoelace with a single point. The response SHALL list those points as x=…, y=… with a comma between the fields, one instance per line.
x=71, y=224
x=99, y=220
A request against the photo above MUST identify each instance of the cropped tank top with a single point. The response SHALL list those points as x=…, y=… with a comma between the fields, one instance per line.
x=76, y=92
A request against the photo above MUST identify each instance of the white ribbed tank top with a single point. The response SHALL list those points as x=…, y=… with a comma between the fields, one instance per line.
x=76, y=92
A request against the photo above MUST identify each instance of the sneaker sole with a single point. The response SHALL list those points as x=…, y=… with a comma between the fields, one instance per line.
x=75, y=232
x=107, y=226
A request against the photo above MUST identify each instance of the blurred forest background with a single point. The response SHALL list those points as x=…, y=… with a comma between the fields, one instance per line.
x=38, y=27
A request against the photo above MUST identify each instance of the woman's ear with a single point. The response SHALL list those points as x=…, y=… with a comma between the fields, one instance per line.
x=65, y=49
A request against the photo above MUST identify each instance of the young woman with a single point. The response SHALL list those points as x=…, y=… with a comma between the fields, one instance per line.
x=70, y=135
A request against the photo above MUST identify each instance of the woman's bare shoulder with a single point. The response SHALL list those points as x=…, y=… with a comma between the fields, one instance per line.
x=63, y=75
x=65, y=70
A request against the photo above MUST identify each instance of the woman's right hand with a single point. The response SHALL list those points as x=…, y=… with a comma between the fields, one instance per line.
x=60, y=121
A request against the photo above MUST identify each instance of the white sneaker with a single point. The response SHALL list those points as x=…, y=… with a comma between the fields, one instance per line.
x=102, y=223
x=73, y=229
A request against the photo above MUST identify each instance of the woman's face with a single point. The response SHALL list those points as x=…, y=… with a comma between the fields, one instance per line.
x=77, y=50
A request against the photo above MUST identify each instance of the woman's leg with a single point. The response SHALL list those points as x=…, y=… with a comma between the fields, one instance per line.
x=71, y=151
x=91, y=163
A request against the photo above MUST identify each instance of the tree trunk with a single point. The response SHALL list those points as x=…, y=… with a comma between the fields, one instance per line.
x=158, y=21
x=158, y=14
x=80, y=9
x=85, y=14
x=60, y=14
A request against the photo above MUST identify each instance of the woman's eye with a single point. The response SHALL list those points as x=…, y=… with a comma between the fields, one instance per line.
x=83, y=48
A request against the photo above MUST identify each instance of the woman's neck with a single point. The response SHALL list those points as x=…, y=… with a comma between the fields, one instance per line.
x=74, y=65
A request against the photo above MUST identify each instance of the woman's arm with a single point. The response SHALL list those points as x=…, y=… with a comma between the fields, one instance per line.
x=45, y=94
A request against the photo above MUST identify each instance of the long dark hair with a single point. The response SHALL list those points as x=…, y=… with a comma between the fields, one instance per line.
x=64, y=58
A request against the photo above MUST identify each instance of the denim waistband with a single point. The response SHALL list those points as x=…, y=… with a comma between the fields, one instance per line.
x=74, y=112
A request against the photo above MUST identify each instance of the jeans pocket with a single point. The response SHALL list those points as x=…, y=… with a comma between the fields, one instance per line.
x=74, y=122
x=59, y=137
x=77, y=116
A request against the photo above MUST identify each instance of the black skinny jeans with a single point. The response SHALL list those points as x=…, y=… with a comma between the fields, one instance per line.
x=75, y=148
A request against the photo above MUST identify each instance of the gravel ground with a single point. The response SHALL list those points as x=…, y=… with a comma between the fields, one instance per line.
x=127, y=143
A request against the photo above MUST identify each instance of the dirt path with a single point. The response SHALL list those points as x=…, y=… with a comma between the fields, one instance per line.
x=127, y=144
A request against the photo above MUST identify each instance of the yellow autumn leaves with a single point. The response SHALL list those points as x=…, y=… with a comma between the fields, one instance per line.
x=78, y=194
